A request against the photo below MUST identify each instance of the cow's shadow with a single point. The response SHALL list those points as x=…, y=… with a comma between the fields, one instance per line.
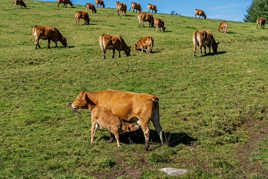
x=218, y=53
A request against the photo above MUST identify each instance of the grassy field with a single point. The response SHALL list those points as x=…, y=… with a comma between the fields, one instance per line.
x=213, y=109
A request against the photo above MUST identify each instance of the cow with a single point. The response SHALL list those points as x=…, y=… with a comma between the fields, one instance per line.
x=113, y=42
x=20, y=3
x=145, y=16
x=159, y=24
x=81, y=15
x=200, y=13
x=204, y=38
x=121, y=7
x=65, y=2
x=127, y=106
x=223, y=26
x=100, y=3
x=47, y=33
x=136, y=7
x=260, y=22
x=91, y=7
x=146, y=43
x=152, y=7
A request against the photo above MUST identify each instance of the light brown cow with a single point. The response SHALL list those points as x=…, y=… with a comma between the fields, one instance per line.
x=113, y=42
x=91, y=7
x=65, y=2
x=146, y=16
x=223, y=26
x=260, y=22
x=19, y=2
x=146, y=43
x=125, y=105
x=204, y=38
x=81, y=15
x=100, y=3
x=200, y=13
x=121, y=8
x=47, y=33
x=136, y=7
x=159, y=24
x=104, y=118
x=152, y=7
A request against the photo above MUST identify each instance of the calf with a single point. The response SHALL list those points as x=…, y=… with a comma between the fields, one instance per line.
x=136, y=7
x=19, y=2
x=204, y=38
x=91, y=7
x=126, y=106
x=159, y=24
x=81, y=15
x=121, y=8
x=260, y=22
x=223, y=26
x=152, y=7
x=65, y=2
x=200, y=13
x=113, y=42
x=47, y=33
x=100, y=3
x=145, y=16
x=145, y=43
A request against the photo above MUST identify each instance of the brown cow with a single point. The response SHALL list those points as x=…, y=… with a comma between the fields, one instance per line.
x=204, y=38
x=19, y=2
x=260, y=22
x=65, y=2
x=223, y=26
x=200, y=13
x=91, y=7
x=159, y=24
x=127, y=106
x=121, y=7
x=152, y=7
x=81, y=15
x=47, y=33
x=136, y=7
x=145, y=16
x=145, y=43
x=113, y=42
x=100, y=3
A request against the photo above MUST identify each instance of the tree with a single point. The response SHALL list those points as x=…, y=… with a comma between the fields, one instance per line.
x=257, y=8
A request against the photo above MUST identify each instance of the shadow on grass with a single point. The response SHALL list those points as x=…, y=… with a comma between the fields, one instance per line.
x=230, y=32
x=218, y=53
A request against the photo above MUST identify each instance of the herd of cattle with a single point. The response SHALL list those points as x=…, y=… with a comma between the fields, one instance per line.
x=120, y=111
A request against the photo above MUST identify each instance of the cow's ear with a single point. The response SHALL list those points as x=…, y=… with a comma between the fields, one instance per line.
x=89, y=101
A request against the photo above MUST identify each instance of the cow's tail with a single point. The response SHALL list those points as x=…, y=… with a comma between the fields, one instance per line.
x=33, y=31
x=156, y=119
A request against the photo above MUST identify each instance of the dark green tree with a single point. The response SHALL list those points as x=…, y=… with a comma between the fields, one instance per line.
x=257, y=8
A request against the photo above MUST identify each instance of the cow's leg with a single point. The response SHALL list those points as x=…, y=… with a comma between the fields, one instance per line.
x=48, y=43
x=119, y=55
x=146, y=132
x=113, y=53
x=111, y=138
x=37, y=43
x=56, y=44
x=94, y=127
x=200, y=48
x=116, y=135
x=205, y=48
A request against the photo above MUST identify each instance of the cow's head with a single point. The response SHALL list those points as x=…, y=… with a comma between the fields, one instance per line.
x=127, y=50
x=82, y=101
x=64, y=41
x=215, y=46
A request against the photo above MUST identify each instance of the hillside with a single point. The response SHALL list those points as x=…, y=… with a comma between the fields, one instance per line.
x=213, y=109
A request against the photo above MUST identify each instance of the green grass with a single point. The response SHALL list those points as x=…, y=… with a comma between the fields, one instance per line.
x=204, y=101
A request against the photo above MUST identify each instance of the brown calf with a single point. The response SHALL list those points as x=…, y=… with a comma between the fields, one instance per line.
x=100, y=3
x=260, y=22
x=81, y=15
x=145, y=43
x=159, y=24
x=223, y=26
x=121, y=8
x=200, y=13
x=113, y=42
x=145, y=16
x=204, y=38
x=19, y=2
x=91, y=7
x=65, y=2
x=152, y=7
x=136, y=7
x=126, y=106
x=47, y=33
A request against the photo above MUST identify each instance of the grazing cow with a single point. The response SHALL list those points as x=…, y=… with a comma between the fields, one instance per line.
x=65, y=2
x=223, y=26
x=200, y=13
x=159, y=24
x=19, y=2
x=261, y=22
x=136, y=7
x=145, y=16
x=104, y=118
x=47, y=33
x=152, y=7
x=121, y=7
x=125, y=105
x=146, y=43
x=100, y=3
x=204, y=38
x=113, y=42
x=91, y=7
x=81, y=15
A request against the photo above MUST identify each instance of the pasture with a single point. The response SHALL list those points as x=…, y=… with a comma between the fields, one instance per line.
x=213, y=109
